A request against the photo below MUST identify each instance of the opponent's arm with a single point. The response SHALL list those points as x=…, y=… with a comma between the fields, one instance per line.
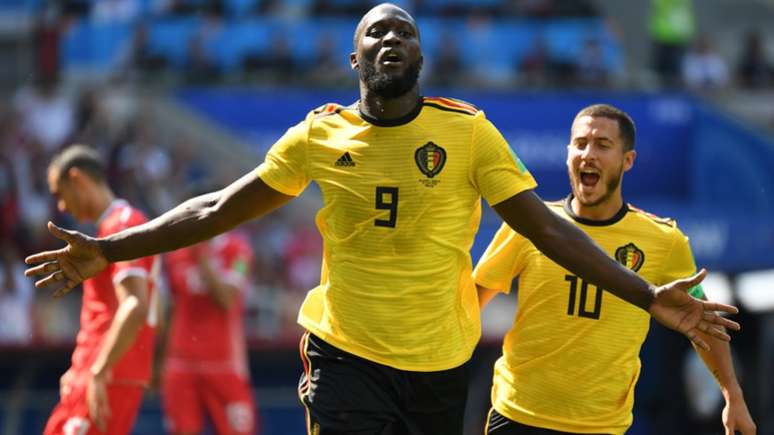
x=571, y=248
x=220, y=291
x=132, y=312
x=131, y=315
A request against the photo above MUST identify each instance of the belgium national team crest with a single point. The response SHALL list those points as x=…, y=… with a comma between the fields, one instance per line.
x=430, y=159
x=630, y=256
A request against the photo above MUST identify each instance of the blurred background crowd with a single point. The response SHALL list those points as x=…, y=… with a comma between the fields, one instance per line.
x=550, y=43
x=148, y=167
x=106, y=73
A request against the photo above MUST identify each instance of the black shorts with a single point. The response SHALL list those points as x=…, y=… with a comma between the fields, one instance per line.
x=497, y=424
x=346, y=394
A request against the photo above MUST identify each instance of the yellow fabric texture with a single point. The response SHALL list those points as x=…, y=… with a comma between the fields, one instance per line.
x=401, y=205
x=569, y=363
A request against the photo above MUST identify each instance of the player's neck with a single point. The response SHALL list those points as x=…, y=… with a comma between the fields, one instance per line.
x=385, y=109
x=103, y=197
x=600, y=212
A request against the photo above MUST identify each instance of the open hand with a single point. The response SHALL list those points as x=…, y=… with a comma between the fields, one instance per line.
x=674, y=308
x=82, y=258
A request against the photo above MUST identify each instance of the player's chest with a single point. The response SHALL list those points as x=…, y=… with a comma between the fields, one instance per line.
x=546, y=284
x=417, y=164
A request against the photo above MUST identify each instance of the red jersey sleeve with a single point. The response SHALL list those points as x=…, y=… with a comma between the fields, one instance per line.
x=141, y=267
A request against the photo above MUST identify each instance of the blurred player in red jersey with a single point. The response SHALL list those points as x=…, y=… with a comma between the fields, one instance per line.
x=205, y=368
x=111, y=363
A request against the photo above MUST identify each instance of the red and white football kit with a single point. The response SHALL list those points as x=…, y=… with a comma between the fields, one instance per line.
x=132, y=373
x=205, y=369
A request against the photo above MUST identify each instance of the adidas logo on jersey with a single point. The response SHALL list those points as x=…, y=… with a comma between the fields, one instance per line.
x=345, y=160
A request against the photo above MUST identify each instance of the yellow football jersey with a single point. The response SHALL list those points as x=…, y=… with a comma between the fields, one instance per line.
x=401, y=205
x=571, y=359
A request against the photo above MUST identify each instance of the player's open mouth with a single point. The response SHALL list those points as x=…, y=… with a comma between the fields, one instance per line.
x=589, y=178
x=391, y=58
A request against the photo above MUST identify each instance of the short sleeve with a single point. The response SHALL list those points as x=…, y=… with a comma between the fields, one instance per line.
x=679, y=263
x=497, y=172
x=285, y=168
x=140, y=267
x=502, y=261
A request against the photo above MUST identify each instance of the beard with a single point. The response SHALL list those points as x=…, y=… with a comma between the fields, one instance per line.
x=611, y=184
x=386, y=85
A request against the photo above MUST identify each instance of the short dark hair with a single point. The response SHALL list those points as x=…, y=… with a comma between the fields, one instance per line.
x=83, y=157
x=626, y=127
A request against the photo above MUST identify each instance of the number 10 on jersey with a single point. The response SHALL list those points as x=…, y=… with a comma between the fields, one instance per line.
x=581, y=301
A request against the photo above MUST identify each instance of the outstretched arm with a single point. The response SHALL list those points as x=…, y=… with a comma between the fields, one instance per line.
x=571, y=248
x=197, y=219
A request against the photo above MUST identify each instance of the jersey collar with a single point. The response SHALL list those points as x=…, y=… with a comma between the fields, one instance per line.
x=591, y=222
x=405, y=119
x=113, y=205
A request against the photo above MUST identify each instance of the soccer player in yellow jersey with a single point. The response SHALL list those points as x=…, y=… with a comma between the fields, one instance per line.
x=395, y=317
x=570, y=362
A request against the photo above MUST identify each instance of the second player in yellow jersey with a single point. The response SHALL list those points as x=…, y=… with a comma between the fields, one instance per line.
x=571, y=360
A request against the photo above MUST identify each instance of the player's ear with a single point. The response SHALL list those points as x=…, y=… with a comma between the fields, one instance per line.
x=353, y=61
x=77, y=177
x=74, y=175
x=629, y=157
